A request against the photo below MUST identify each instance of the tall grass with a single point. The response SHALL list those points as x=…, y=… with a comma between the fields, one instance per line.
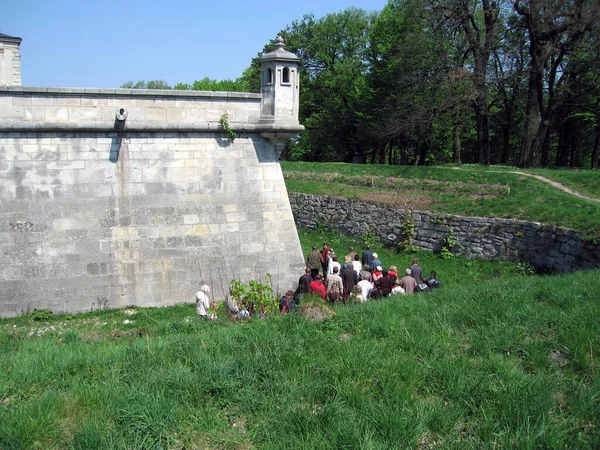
x=467, y=366
x=509, y=362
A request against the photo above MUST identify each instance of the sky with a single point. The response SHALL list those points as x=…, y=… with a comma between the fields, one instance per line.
x=104, y=43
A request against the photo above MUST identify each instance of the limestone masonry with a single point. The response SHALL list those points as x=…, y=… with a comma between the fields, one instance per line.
x=116, y=197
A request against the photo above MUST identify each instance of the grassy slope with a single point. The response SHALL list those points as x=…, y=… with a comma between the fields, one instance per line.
x=466, y=366
x=529, y=199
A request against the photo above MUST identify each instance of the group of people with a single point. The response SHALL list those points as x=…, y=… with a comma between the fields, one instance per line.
x=359, y=278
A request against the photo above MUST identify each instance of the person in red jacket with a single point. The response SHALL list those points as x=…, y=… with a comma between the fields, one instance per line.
x=317, y=287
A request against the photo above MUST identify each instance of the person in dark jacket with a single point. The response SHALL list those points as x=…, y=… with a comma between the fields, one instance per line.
x=384, y=284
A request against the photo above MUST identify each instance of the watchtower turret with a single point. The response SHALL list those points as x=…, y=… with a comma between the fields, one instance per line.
x=279, y=86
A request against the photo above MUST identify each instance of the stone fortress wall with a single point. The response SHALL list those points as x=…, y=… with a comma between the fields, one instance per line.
x=116, y=197
x=547, y=247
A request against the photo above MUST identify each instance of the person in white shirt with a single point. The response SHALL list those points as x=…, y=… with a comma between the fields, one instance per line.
x=333, y=263
x=356, y=265
x=203, y=303
x=365, y=287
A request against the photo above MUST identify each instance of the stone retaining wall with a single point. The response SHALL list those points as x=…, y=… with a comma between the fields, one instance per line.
x=547, y=247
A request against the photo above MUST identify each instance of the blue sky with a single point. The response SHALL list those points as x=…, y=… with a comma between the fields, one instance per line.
x=103, y=43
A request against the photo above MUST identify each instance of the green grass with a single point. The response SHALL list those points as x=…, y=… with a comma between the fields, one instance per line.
x=473, y=191
x=466, y=366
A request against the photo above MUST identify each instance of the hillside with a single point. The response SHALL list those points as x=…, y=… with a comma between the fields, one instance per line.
x=466, y=190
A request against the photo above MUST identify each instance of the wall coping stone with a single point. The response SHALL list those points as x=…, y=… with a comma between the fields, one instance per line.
x=166, y=93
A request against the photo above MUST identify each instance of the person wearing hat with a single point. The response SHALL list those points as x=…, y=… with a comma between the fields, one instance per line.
x=408, y=283
x=376, y=274
x=375, y=262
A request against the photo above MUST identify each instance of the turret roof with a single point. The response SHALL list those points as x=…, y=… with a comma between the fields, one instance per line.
x=280, y=53
x=7, y=38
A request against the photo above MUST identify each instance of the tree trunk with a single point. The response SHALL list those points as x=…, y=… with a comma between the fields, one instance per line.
x=505, y=143
x=596, y=144
x=457, y=143
x=531, y=119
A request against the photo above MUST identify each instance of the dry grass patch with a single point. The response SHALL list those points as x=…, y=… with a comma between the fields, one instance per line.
x=397, y=201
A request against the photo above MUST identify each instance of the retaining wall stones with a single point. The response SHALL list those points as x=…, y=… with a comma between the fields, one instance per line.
x=547, y=247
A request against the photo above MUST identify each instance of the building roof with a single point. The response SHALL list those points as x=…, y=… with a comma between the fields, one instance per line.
x=11, y=39
x=280, y=53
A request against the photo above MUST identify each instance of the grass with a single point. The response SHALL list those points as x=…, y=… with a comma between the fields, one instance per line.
x=473, y=191
x=490, y=360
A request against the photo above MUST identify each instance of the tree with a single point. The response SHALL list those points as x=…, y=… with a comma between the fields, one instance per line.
x=554, y=28
x=478, y=20
x=150, y=84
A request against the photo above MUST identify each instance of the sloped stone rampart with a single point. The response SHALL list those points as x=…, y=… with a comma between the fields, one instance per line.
x=547, y=247
x=95, y=216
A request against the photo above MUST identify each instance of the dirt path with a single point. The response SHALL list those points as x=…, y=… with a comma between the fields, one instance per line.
x=556, y=184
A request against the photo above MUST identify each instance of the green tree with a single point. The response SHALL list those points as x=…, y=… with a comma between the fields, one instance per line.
x=554, y=29
x=150, y=84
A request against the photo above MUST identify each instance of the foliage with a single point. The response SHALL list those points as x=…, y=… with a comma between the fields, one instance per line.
x=150, y=84
x=408, y=233
x=371, y=238
x=208, y=84
x=526, y=269
x=224, y=126
x=259, y=293
x=41, y=315
x=448, y=245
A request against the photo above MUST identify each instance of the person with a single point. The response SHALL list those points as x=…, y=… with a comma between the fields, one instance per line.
x=351, y=253
x=335, y=289
x=356, y=264
x=416, y=271
x=376, y=274
x=397, y=289
x=325, y=259
x=285, y=303
x=408, y=283
x=333, y=264
x=313, y=262
x=303, y=286
x=233, y=309
x=347, y=263
x=317, y=287
x=393, y=273
x=367, y=257
x=304, y=281
x=349, y=278
x=203, y=303
x=384, y=284
x=365, y=288
x=433, y=282
x=375, y=262
x=365, y=272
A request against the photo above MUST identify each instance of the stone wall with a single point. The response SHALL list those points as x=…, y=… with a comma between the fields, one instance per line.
x=547, y=247
x=100, y=213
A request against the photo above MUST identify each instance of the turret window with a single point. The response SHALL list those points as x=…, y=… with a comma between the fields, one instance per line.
x=285, y=76
x=269, y=76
